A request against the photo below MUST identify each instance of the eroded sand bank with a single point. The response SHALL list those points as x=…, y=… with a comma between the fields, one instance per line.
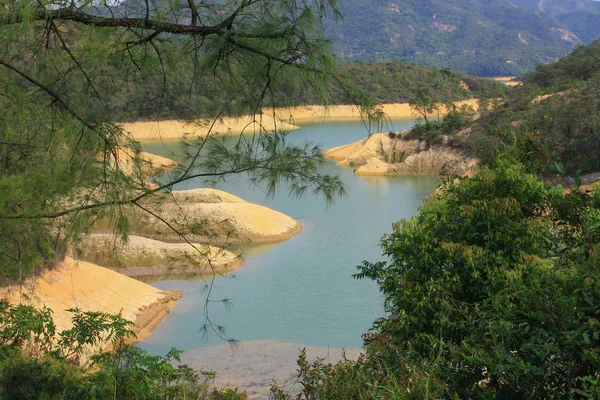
x=178, y=130
x=141, y=256
x=93, y=288
x=381, y=155
x=212, y=216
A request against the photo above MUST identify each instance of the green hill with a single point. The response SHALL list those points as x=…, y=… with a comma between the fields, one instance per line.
x=552, y=121
x=480, y=38
x=580, y=16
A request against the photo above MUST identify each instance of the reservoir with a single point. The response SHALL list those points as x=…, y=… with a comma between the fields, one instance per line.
x=298, y=293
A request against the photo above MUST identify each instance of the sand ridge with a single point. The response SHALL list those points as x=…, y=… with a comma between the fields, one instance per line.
x=213, y=216
x=179, y=130
x=92, y=288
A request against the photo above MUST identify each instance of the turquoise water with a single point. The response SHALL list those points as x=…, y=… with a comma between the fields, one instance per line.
x=300, y=291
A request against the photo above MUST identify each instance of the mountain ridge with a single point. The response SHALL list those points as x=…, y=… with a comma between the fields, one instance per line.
x=491, y=39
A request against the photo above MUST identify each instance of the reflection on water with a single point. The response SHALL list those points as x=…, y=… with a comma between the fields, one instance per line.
x=302, y=290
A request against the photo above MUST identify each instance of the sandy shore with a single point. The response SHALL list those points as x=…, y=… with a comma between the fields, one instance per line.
x=347, y=112
x=93, y=288
x=178, y=130
x=281, y=118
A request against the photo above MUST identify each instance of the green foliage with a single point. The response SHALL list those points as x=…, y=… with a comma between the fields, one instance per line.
x=494, y=284
x=551, y=123
x=568, y=72
x=35, y=363
x=492, y=292
x=66, y=77
x=400, y=82
x=433, y=131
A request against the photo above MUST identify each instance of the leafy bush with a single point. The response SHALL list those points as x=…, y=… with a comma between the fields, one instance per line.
x=494, y=284
x=38, y=363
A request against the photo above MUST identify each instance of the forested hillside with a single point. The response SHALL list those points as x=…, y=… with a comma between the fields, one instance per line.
x=581, y=16
x=388, y=82
x=553, y=120
x=480, y=38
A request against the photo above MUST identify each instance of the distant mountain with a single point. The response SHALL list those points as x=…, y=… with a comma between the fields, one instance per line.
x=486, y=38
x=581, y=16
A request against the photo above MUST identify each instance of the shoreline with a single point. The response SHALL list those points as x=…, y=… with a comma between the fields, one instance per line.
x=281, y=118
x=89, y=287
x=319, y=113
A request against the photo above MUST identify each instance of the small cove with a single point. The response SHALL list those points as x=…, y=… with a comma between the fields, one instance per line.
x=299, y=292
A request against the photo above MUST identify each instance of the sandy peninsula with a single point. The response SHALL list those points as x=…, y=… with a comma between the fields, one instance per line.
x=93, y=288
x=211, y=216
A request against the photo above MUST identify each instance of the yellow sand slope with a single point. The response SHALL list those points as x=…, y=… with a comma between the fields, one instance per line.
x=93, y=288
x=177, y=130
x=212, y=216
x=146, y=257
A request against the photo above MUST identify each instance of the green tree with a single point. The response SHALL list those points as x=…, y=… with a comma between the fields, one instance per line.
x=493, y=289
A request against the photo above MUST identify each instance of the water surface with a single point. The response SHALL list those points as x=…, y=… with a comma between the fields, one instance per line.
x=300, y=291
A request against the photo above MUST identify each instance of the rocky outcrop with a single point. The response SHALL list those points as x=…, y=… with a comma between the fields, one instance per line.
x=381, y=154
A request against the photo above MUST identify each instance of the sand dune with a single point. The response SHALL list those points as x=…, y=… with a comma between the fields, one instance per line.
x=93, y=288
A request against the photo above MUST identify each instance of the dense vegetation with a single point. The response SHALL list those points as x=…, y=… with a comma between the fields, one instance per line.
x=580, y=16
x=374, y=83
x=34, y=365
x=553, y=118
x=493, y=290
x=490, y=38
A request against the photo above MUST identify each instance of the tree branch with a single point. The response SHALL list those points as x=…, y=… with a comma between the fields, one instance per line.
x=68, y=14
x=52, y=93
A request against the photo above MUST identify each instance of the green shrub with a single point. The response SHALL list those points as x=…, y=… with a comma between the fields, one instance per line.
x=33, y=365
